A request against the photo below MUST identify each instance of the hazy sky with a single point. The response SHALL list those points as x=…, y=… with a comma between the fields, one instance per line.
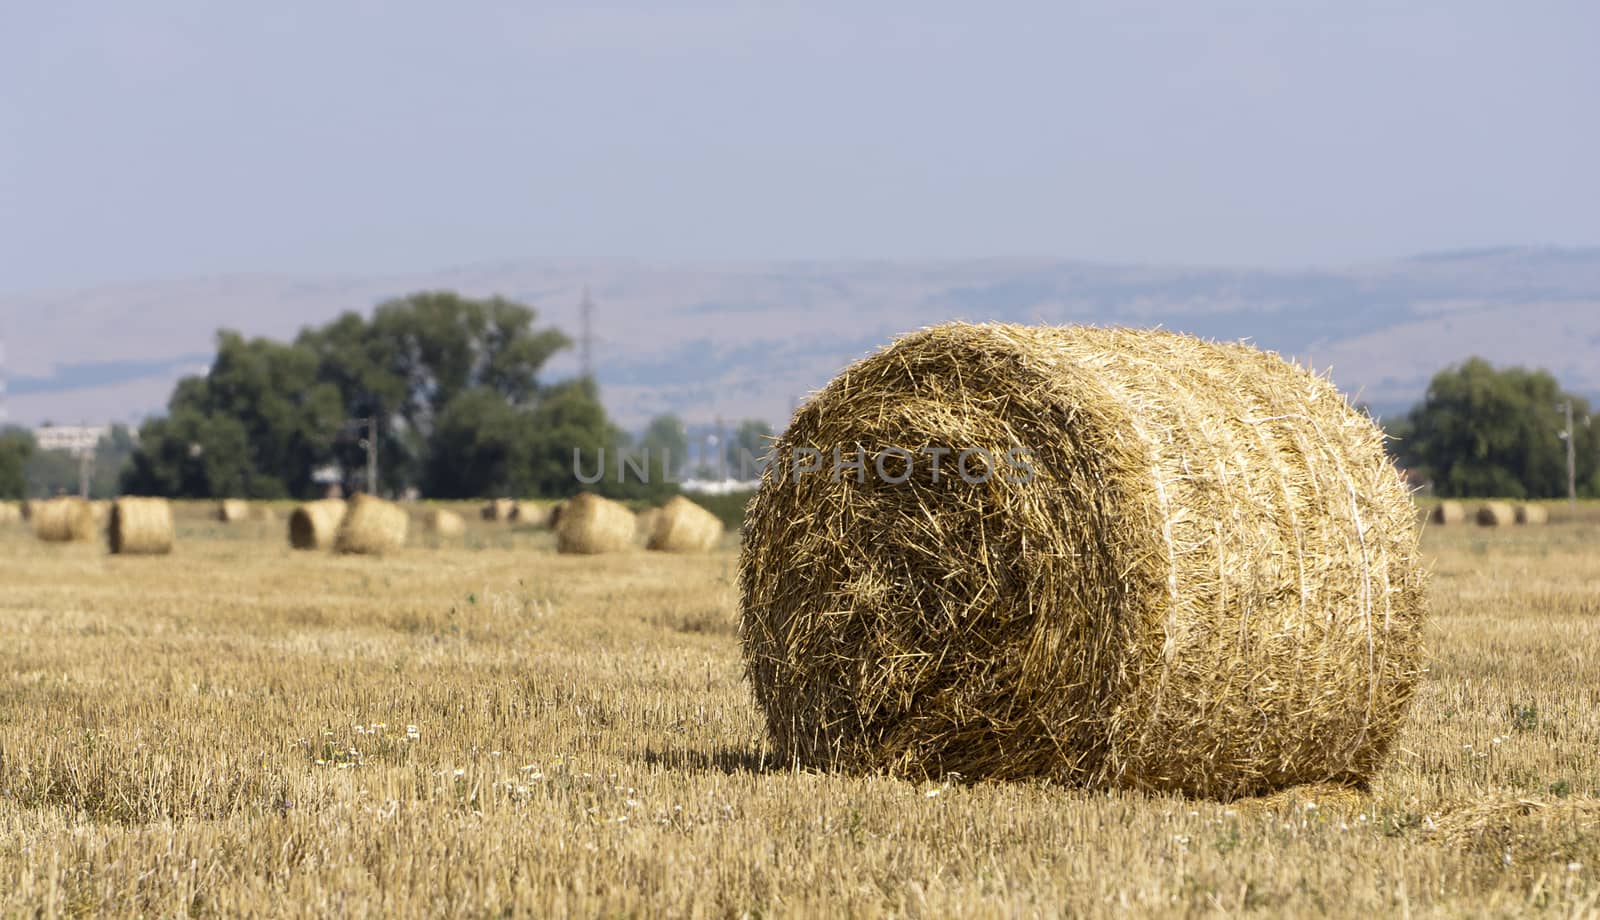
x=171, y=138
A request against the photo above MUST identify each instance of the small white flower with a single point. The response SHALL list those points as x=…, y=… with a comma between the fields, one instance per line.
x=1497, y=739
x=461, y=772
x=632, y=803
x=1574, y=867
x=932, y=793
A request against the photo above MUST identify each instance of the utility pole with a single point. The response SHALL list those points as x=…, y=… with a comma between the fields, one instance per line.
x=371, y=444
x=85, y=470
x=586, y=336
x=1572, y=456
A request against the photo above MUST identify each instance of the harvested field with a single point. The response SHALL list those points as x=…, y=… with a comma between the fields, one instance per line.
x=489, y=727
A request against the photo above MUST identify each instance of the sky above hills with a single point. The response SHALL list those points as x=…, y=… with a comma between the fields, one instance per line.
x=187, y=138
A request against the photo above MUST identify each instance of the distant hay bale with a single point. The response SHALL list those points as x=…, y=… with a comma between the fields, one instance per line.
x=233, y=510
x=1449, y=513
x=443, y=523
x=684, y=527
x=554, y=520
x=1496, y=514
x=531, y=514
x=101, y=509
x=140, y=526
x=498, y=509
x=10, y=513
x=1166, y=564
x=314, y=525
x=590, y=524
x=644, y=523
x=372, y=526
x=63, y=520
x=26, y=507
x=1532, y=515
x=265, y=514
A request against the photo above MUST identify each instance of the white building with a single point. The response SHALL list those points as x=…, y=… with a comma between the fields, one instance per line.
x=75, y=439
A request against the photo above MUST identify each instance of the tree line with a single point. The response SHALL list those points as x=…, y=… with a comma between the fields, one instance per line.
x=453, y=382
x=462, y=412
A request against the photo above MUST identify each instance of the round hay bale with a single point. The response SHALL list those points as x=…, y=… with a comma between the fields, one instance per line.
x=554, y=520
x=313, y=525
x=233, y=510
x=644, y=523
x=10, y=513
x=1165, y=564
x=684, y=527
x=26, y=506
x=498, y=509
x=531, y=514
x=1449, y=513
x=1496, y=514
x=590, y=524
x=443, y=523
x=265, y=514
x=102, y=512
x=140, y=526
x=63, y=520
x=1532, y=515
x=372, y=526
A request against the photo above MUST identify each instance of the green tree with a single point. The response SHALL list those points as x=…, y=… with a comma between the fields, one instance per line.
x=748, y=447
x=16, y=446
x=665, y=446
x=256, y=425
x=416, y=356
x=1480, y=431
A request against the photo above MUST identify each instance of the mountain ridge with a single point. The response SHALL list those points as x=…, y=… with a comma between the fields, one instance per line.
x=749, y=339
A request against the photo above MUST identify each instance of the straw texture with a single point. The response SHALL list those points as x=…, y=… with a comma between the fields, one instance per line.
x=681, y=526
x=590, y=524
x=140, y=526
x=63, y=520
x=372, y=526
x=1205, y=581
x=314, y=525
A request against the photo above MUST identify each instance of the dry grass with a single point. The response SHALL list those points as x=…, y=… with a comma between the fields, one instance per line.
x=226, y=731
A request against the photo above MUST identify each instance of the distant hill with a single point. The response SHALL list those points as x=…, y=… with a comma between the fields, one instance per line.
x=749, y=340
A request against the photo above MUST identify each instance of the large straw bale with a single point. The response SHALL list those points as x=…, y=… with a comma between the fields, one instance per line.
x=1497, y=514
x=590, y=524
x=63, y=520
x=1532, y=515
x=684, y=527
x=314, y=524
x=140, y=526
x=442, y=522
x=372, y=526
x=1449, y=513
x=1185, y=566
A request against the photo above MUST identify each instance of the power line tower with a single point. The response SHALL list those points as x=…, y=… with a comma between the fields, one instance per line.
x=586, y=336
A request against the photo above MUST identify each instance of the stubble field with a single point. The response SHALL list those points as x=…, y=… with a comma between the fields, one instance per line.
x=489, y=728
